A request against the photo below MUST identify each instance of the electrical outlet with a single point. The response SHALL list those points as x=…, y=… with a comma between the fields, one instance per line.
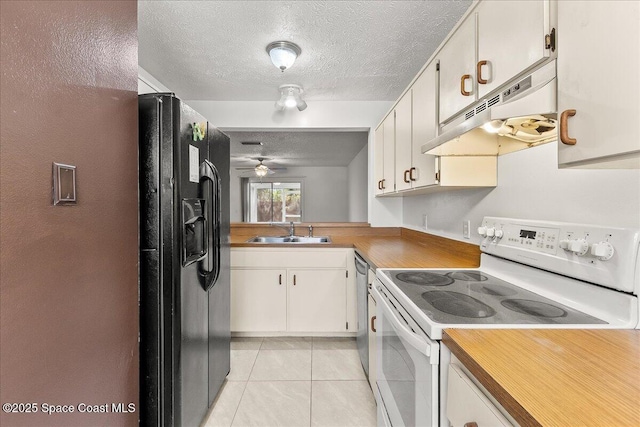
x=466, y=229
x=424, y=221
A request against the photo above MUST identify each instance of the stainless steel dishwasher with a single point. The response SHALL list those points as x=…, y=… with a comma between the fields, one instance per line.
x=362, y=339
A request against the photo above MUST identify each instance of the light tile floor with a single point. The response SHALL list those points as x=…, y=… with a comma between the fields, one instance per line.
x=294, y=382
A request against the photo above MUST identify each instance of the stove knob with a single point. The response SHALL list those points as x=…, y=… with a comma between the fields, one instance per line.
x=499, y=234
x=482, y=231
x=491, y=232
x=579, y=247
x=564, y=244
x=602, y=250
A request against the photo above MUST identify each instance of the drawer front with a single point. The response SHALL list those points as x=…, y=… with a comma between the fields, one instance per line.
x=466, y=403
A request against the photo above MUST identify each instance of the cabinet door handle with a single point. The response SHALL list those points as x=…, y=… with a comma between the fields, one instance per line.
x=373, y=323
x=564, y=127
x=479, y=72
x=294, y=280
x=405, y=176
x=471, y=424
x=411, y=171
x=280, y=279
x=462, y=80
x=382, y=184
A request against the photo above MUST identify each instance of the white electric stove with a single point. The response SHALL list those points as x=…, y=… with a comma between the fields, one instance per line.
x=532, y=274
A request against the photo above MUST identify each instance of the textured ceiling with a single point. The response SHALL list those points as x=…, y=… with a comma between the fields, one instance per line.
x=300, y=148
x=351, y=50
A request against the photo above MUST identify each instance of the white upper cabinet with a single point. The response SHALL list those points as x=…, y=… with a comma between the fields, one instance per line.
x=424, y=124
x=511, y=39
x=389, y=156
x=378, y=159
x=458, y=88
x=403, y=142
x=508, y=37
x=598, y=83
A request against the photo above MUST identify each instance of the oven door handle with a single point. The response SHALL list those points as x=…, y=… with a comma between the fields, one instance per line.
x=400, y=327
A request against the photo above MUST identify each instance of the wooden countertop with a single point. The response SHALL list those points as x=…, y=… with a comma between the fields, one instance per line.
x=553, y=377
x=383, y=247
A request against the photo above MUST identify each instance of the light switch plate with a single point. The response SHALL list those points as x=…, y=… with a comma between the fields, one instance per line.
x=64, y=184
x=466, y=229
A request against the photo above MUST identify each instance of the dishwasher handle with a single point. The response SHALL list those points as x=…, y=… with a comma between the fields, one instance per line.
x=361, y=265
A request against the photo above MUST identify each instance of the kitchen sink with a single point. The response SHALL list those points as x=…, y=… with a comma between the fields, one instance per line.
x=289, y=239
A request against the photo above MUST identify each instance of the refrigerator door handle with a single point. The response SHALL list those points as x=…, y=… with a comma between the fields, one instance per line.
x=209, y=267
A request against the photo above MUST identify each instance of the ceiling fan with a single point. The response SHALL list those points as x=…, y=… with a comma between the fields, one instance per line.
x=261, y=170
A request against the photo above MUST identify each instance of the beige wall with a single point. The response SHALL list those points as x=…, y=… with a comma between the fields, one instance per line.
x=68, y=275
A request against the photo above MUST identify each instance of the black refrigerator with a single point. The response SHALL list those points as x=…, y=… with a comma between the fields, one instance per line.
x=184, y=262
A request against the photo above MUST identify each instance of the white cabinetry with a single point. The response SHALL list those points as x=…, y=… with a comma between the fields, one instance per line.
x=301, y=291
x=258, y=300
x=317, y=300
x=598, y=89
x=423, y=127
x=403, y=142
x=457, y=58
x=378, y=159
x=389, y=155
x=467, y=405
x=467, y=171
x=511, y=39
x=384, y=156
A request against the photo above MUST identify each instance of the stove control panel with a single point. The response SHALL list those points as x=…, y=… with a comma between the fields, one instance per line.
x=540, y=239
x=604, y=255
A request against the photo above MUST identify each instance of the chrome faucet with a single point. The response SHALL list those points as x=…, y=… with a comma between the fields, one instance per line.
x=290, y=225
x=311, y=231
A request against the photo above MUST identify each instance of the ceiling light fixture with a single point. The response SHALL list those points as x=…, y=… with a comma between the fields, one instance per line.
x=261, y=170
x=283, y=54
x=291, y=96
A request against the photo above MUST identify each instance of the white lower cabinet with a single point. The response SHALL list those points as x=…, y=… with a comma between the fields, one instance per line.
x=300, y=291
x=467, y=405
x=258, y=300
x=317, y=300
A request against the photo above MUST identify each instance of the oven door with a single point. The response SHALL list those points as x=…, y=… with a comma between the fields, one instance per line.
x=407, y=367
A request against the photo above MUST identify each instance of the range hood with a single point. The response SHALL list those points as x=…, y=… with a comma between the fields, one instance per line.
x=521, y=115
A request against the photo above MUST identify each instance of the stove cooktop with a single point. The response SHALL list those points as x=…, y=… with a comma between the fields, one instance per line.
x=474, y=297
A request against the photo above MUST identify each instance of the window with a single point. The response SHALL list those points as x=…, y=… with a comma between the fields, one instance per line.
x=275, y=201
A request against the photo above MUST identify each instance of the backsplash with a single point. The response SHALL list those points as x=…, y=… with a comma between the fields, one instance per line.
x=530, y=186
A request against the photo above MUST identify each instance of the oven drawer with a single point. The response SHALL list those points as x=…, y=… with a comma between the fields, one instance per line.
x=467, y=405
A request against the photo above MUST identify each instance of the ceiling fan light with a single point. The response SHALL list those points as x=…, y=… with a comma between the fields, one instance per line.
x=283, y=54
x=261, y=170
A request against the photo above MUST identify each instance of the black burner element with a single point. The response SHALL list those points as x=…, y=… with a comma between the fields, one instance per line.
x=424, y=278
x=458, y=304
x=467, y=276
x=495, y=290
x=533, y=308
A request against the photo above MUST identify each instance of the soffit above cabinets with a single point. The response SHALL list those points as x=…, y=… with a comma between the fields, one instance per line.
x=351, y=50
x=296, y=148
